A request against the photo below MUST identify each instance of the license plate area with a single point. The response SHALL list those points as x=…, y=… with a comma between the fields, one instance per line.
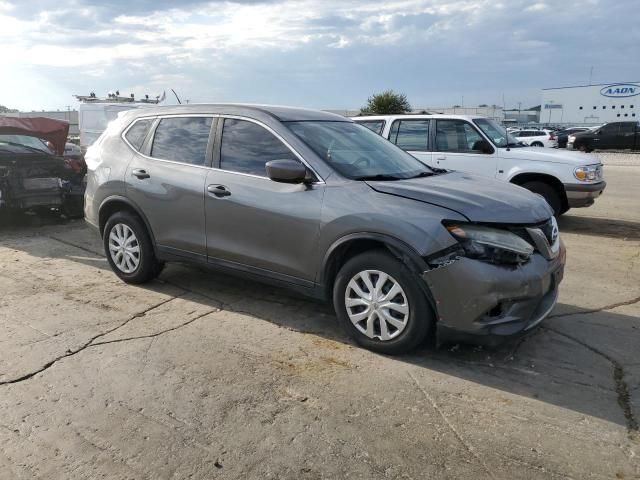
x=41, y=183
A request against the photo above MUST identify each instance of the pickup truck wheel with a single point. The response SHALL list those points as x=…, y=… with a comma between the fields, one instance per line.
x=129, y=250
x=380, y=305
x=549, y=193
x=585, y=149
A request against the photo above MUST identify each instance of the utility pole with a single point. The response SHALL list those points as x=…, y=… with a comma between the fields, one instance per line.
x=590, y=75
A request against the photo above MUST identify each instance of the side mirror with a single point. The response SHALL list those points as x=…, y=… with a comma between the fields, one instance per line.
x=483, y=146
x=286, y=171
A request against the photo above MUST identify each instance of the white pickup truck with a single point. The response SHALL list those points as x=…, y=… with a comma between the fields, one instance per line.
x=482, y=146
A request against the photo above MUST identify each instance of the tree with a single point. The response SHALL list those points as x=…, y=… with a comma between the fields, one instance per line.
x=4, y=109
x=387, y=102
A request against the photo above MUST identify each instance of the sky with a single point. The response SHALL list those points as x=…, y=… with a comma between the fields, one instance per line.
x=329, y=54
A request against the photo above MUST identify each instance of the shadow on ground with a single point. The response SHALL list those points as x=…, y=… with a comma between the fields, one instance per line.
x=599, y=227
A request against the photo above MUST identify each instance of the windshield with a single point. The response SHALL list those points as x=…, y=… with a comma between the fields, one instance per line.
x=356, y=152
x=25, y=141
x=497, y=133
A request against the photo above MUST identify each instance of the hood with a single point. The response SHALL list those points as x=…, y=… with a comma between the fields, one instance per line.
x=55, y=131
x=480, y=199
x=553, y=155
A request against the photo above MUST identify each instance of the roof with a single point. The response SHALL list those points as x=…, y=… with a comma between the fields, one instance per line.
x=417, y=116
x=281, y=113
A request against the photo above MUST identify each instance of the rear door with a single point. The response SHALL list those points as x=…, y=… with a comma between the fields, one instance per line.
x=412, y=135
x=166, y=181
x=254, y=223
x=458, y=147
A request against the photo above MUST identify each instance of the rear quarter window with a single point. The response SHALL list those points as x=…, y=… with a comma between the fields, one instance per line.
x=138, y=132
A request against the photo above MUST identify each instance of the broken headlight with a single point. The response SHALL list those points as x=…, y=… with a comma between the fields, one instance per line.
x=490, y=244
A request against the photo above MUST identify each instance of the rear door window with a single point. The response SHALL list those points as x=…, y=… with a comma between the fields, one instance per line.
x=411, y=135
x=247, y=147
x=182, y=139
x=627, y=127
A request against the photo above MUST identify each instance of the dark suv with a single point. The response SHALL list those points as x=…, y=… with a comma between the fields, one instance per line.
x=312, y=201
x=610, y=136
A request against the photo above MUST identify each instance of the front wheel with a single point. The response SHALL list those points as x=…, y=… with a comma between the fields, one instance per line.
x=549, y=193
x=379, y=303
x=129, y=249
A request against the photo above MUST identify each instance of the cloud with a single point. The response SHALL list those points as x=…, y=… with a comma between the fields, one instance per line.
x=331, y=53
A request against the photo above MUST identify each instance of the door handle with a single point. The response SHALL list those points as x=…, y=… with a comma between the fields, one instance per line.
x=140, y=173
x=218, y=190
x=442, y=157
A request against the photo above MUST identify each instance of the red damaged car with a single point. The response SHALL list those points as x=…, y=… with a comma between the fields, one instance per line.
x=34, y=175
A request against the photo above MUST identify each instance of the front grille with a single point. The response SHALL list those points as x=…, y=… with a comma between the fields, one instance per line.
x=546, y=228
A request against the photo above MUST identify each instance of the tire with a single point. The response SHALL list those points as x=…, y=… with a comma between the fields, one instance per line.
x=537, y=144
x=408, y=330
x=585, y=149
x=549, y=193
x=142, y=264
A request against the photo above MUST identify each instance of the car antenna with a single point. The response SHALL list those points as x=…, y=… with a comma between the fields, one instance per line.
x=177, y=98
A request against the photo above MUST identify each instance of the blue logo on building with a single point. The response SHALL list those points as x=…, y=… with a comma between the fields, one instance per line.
x=620, y=90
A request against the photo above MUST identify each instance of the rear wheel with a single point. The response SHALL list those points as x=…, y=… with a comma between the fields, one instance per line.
x=379, y=303
x=537, y=144
x=550, y=194
x=129, y=249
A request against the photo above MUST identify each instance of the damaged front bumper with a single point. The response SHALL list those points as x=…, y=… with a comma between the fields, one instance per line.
x=485, y=303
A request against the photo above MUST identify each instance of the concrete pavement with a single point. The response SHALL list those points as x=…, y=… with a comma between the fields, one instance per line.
x=199, y=375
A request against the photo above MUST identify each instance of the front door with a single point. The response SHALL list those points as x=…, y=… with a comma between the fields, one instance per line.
x=255, y=223
x=608, y=136
x=168, y=182
x=458, y=146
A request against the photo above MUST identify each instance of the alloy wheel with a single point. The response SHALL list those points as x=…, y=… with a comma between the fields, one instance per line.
x=376, y=305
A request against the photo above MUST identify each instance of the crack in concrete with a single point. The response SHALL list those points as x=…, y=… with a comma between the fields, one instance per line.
x=453, y=429
x=87, y=344
x=157, y=334
x=597, y=310
x=621, y=386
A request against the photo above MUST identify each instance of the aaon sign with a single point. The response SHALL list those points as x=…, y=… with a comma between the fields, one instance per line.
x=619, y=90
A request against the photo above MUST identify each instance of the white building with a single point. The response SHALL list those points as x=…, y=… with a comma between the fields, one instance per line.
x=591, y=104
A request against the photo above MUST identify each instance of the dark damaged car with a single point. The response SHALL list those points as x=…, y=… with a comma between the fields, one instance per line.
x=34, y=175
x=315, y=202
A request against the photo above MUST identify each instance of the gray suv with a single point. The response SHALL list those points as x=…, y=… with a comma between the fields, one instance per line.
x=315, y=202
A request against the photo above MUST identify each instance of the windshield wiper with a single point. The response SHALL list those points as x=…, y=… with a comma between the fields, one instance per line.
x=15, y=144
x=426, y=173
x=379, y=176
